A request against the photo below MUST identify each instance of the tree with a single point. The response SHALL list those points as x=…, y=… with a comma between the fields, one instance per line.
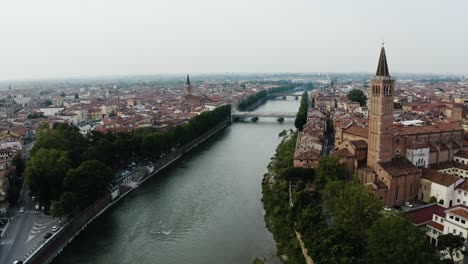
x=357, y=96
x=45, y=172
x=301, y=117
x=432, y=199
x=14, y=187
x=450, y=244
x=329, y=169
x=85, y=184
x=394, y=239
x=63, y=137
x=18, y=162
x=352, y=209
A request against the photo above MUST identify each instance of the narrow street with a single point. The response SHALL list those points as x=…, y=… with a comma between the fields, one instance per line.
x=329, y=138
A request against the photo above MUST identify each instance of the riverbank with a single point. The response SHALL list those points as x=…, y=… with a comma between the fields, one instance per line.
x=48, y=251
x=275, y=200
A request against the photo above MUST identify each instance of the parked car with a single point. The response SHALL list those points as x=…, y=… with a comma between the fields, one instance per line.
x=47, y=235
x=17, y=262
x=386, y=208
x=410, y=205
x=55, y=228
x=21, y=210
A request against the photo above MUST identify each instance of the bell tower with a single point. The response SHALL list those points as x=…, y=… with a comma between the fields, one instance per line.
x=382, y=89
x=188, y=87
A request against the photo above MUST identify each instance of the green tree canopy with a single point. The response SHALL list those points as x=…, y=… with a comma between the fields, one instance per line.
x=356, y=95
x=394, y=239
x=62, y=137
x=450, y=244
x=18, y=162
x=88, y=182
x=301, y=116
x=352, y=209
x=329, y=169
x=45, y=172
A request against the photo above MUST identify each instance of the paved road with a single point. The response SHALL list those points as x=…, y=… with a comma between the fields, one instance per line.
x=25, y=231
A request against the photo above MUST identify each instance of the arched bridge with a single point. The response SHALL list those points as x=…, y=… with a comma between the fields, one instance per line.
x=262, y=114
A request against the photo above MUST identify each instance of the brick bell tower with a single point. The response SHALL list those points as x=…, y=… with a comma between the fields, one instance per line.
x=382, y=89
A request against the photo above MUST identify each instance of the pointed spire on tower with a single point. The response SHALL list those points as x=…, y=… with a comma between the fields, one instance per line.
x=382, y=68
x=188, y=80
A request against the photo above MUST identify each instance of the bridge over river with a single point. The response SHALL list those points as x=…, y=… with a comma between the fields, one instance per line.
x=264, y=114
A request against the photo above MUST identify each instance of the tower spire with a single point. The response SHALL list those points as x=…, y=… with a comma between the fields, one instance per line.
x=382, y=68
x=188, y=87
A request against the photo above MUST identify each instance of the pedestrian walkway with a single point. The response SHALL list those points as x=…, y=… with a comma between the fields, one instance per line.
x=26, y=212
x=6, y=241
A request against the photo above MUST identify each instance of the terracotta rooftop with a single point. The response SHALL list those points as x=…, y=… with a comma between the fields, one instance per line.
x=344, y=152
x=460, y=211
x=435, y=128
x=463, y=185
x=462, y=154
x=357, y=131
x=423, y=215
x=359, y=144
x=441, y=178
x=399, y=167
x=449, y=165
x=436, y=225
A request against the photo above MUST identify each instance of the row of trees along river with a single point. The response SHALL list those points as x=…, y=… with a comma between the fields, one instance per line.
x=69, y=171
x=204, y=208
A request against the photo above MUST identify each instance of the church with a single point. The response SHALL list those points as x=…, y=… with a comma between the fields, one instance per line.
x=389, y=157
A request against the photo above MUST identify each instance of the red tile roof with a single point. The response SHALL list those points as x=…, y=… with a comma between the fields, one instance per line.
x=423, y=215
x=357, y=131
x=436, y=225
x=441, y=178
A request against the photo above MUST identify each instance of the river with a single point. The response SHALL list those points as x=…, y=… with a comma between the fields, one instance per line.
x=205, y=208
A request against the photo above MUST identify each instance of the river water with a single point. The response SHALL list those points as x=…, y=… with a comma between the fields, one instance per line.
x=205, y=208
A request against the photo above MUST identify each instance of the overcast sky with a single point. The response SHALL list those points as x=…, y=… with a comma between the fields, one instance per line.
x=67, y=38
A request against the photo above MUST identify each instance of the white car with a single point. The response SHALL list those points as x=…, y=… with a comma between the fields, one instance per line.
x=55, y=228
x=37, y=207
x=386, y=208
x=21, y=210
x=410, y=205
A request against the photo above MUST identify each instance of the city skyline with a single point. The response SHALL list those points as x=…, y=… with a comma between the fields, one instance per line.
x=52, y=39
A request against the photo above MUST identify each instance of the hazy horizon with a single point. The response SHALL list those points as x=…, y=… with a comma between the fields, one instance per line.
x=51, y=39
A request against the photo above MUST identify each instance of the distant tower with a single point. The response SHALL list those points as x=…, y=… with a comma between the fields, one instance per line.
x=332, y=87
x=382, y=89
x=188, y=87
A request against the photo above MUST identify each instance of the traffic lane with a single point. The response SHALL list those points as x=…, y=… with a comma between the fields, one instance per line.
x=27, y=235
x=33, y=237
x=12, y=238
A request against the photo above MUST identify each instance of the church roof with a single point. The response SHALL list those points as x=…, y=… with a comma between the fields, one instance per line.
x=357, y=131
x=399, y=167
x=359, y=144
x=344, y=152
x=382, y=68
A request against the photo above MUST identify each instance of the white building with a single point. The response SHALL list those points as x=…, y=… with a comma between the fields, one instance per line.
x=441, y=221
x=50, y=111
